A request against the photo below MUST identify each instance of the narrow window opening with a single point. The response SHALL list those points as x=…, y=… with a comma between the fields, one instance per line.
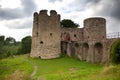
x=40, y=57
x=41, y=42
x=88, y=36
x=75, y=35
x=50, y=34
x=37, y=34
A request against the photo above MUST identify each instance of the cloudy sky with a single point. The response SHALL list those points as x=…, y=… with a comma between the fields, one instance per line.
x=16, y=15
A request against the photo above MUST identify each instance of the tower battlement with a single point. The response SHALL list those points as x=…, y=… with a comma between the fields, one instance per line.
x=50, y=40
x=46, y=35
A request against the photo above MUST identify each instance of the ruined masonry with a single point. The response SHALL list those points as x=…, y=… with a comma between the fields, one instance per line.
x=51, y=40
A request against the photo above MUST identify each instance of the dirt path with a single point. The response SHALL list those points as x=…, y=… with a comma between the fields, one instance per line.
x=34, y=71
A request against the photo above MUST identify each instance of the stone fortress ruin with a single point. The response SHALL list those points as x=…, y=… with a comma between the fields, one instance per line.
x=51, y=40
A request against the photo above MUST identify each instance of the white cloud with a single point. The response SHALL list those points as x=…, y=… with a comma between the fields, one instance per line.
x=22, y=23
x=10, y=3
x=16, y=15
x=18, y=34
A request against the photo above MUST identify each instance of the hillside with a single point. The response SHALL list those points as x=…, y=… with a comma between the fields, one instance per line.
x=24, y=68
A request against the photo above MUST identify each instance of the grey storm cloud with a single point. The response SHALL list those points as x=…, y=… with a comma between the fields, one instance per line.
x=110, y=8
x=7, y=13
x=17, y=24
x=79, y=5
x=28, y=7
x=92, y=1
x=114, y=9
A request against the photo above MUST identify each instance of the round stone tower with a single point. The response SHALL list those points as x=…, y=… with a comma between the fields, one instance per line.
x=94, y=28
x=46, y=35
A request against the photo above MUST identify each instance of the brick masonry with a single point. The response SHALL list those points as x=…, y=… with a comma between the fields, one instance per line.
x=50, y=39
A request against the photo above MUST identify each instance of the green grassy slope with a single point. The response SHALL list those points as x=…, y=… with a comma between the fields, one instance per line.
x=64, y=68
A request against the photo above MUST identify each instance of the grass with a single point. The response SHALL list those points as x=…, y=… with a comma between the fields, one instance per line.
x=63, y=68
x=10, y=65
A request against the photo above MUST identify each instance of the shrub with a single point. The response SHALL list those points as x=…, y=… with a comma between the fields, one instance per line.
x=115, y=52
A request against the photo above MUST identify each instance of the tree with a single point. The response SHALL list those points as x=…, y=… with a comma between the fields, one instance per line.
x=10, y=40
x=8, y=47
x=115, y=52
x=69, y=23
x=2, y=41
x=26, y=44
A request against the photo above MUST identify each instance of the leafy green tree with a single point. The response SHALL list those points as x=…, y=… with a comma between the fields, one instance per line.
x=10, y=40
x=67, y=23
x=1, y=45
x=2, y=40
x=26, y=44
x=9, y=50
x=115, y=52
x=9, y=47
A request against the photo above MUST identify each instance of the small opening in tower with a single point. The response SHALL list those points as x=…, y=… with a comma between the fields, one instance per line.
x=37, y=34
x=41, y=42
x=40, y=57
x=88, y=36
x=50, y=34
x=75, y=35
x=76, y=45
x=103, y=37
x=64, y=32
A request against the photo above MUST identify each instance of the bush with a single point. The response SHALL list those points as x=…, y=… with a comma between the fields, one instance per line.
x=115, y=52
x=26, y=44
x=67, y=23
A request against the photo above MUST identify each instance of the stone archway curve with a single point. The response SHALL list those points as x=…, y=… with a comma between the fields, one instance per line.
x=85, y=50
x=98, y=52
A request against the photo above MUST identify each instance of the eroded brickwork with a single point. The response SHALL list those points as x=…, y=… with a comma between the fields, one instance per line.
x=46, y=35
x=50, y=40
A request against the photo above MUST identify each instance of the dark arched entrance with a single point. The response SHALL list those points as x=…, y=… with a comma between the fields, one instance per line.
x=65, y=37
x=85, y=50
x=98, y=51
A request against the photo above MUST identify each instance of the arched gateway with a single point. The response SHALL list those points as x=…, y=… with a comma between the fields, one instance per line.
x=50, y=39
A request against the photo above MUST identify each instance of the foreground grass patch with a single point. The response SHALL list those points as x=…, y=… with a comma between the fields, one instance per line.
x=11, y=65
x=64, y=68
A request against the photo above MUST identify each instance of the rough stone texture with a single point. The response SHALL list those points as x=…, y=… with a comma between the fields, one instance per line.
x=46, y=35
x=50, y=40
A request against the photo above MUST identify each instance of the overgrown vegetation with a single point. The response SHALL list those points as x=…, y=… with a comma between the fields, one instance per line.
x=67, y=23
x=26, y=45
x=9, y=46
x=14, y=68
x=64, y=68
x=115, y=52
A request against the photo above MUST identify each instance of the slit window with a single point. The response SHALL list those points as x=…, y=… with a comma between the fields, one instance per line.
x=41, y=42
x=37, y=34
x=75, y=35
x=50, y=34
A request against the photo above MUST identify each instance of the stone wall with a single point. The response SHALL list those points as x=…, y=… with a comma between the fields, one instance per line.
x=46, y=35
x=96, y=51
x=94, y=28
x=76, y=34
x=50, y=40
